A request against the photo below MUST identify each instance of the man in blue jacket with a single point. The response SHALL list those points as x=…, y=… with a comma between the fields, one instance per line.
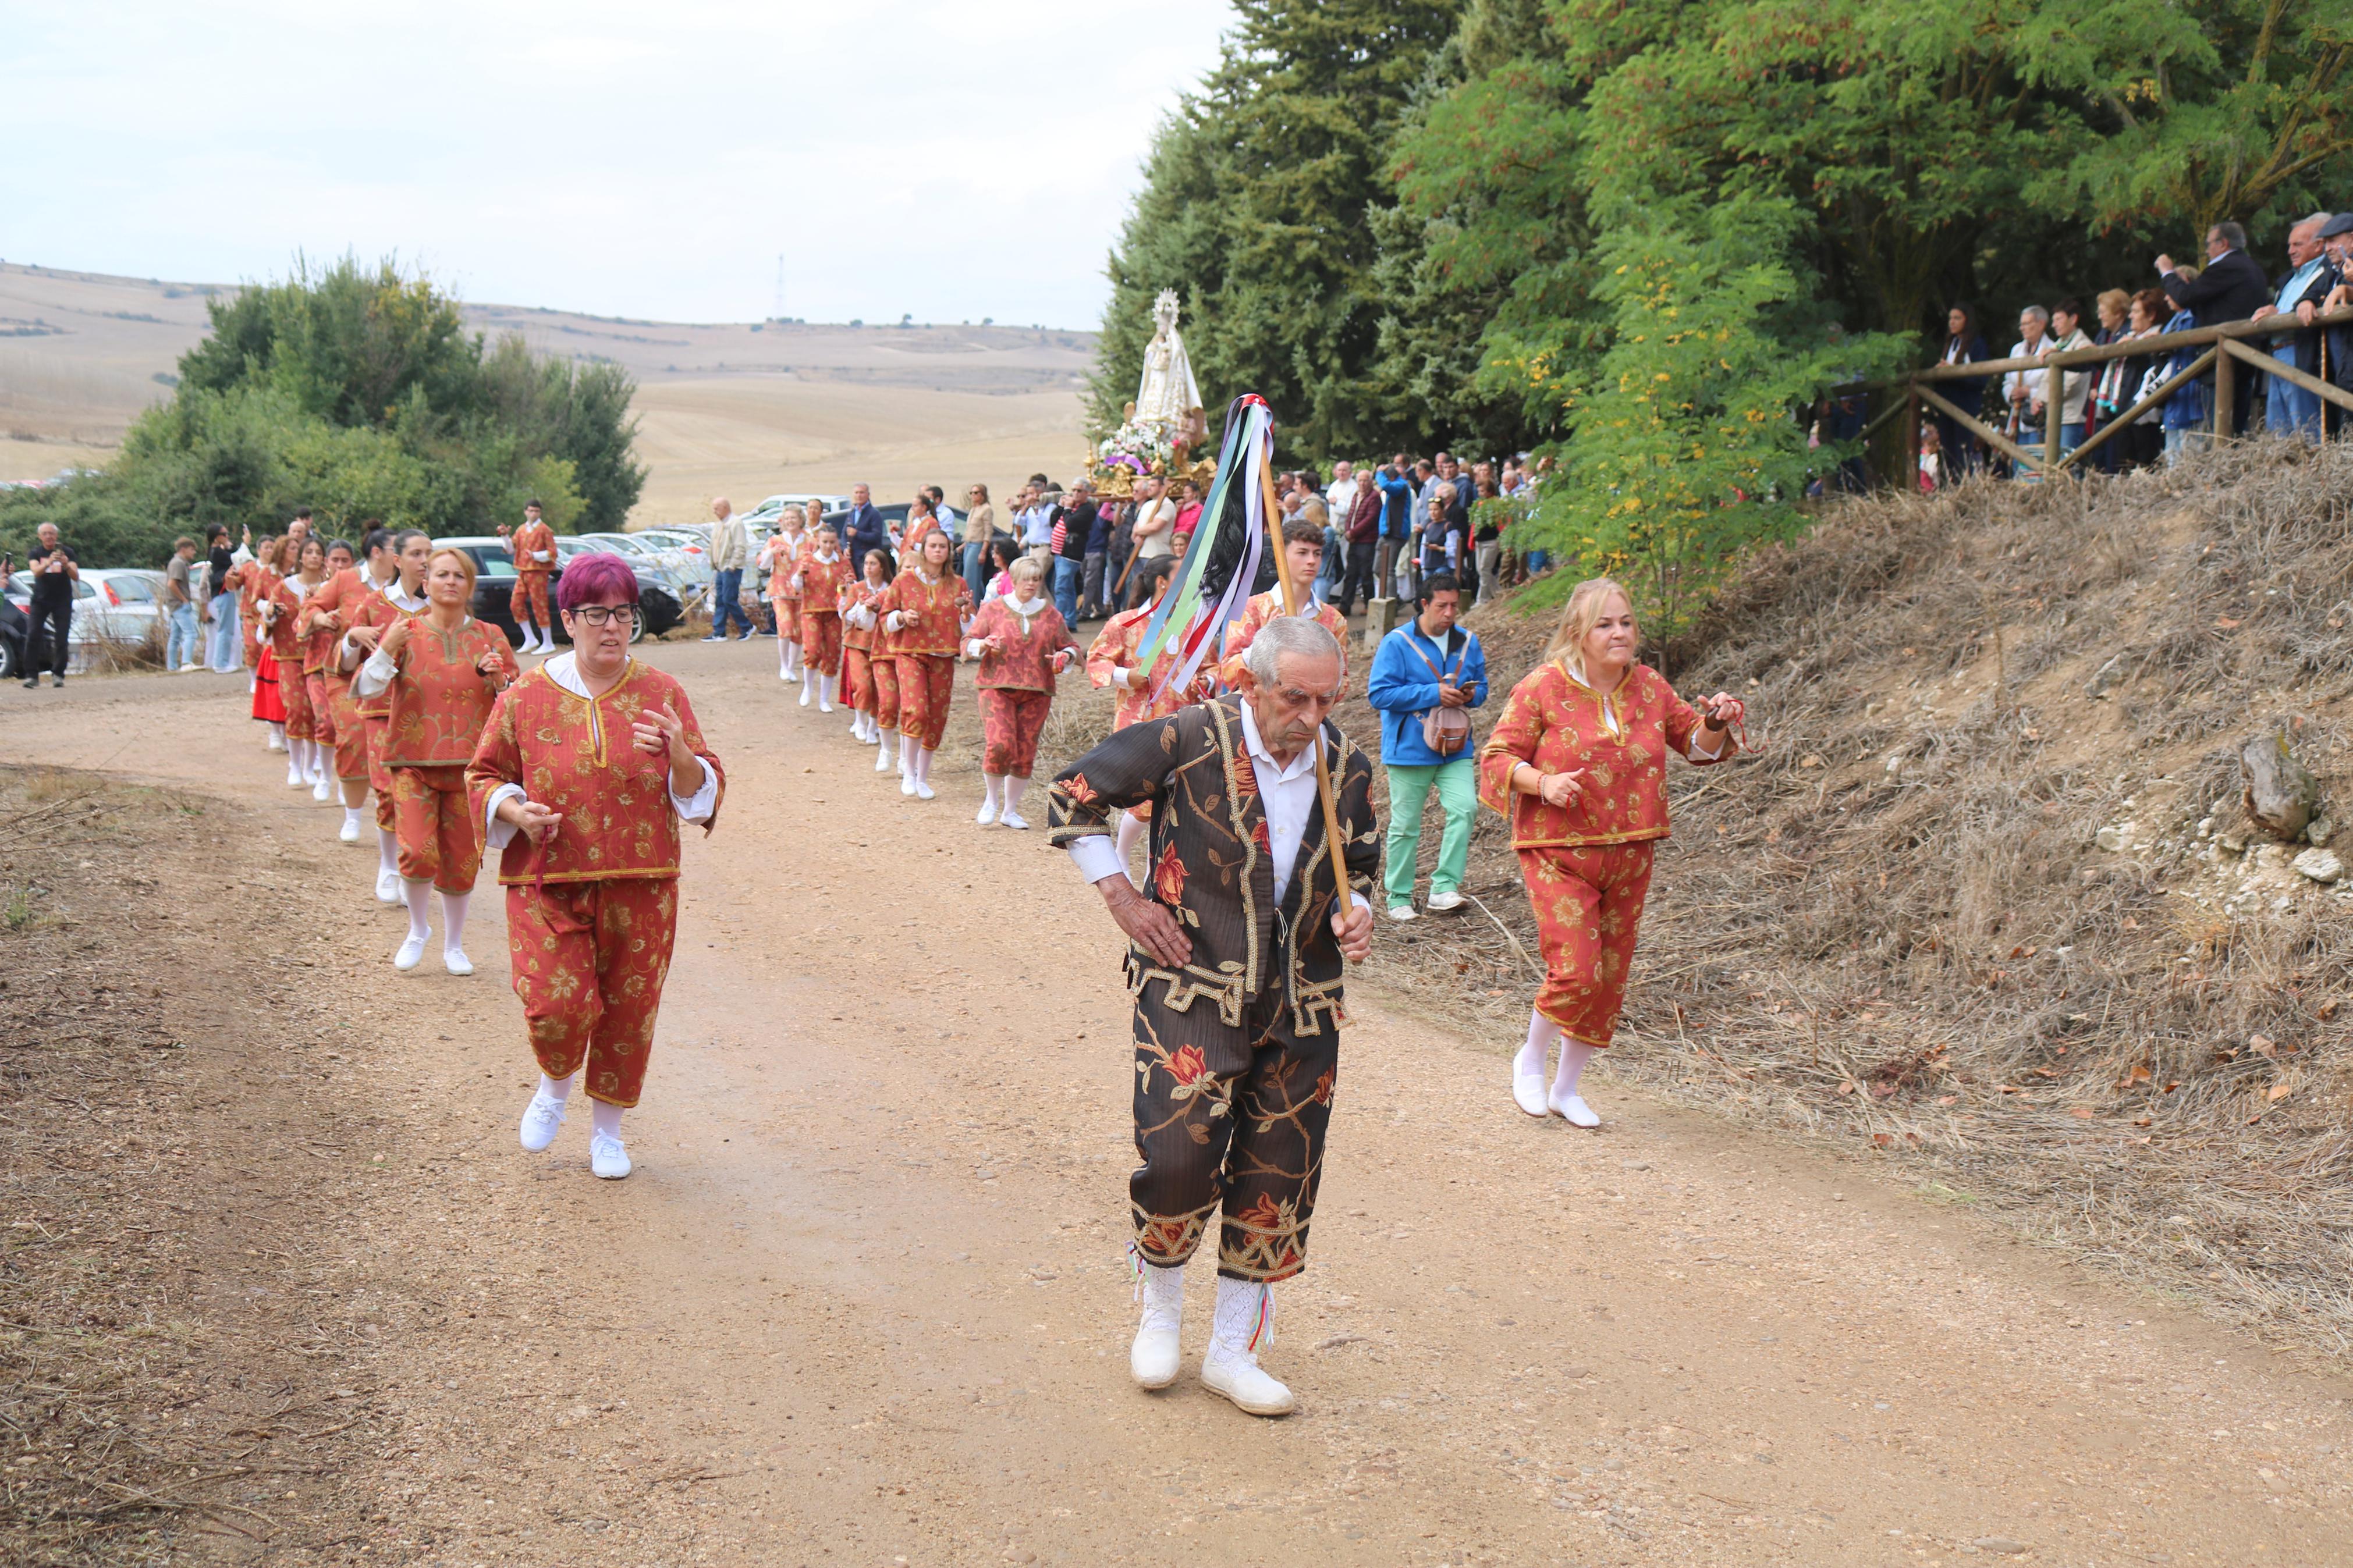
x=864, y=530
x=1426, y=664
x=1396, y=484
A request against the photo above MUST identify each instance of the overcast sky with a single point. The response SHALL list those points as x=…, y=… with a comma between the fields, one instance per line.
x=950, y=161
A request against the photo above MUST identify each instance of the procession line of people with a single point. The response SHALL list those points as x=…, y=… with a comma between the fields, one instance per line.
x=374, y=676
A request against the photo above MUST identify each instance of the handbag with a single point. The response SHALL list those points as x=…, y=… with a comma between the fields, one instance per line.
x=1444, y=729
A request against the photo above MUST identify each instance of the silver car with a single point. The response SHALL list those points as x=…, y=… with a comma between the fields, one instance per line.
x=115, y=608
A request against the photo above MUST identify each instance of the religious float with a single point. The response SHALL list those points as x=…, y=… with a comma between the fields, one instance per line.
x=1165, y=424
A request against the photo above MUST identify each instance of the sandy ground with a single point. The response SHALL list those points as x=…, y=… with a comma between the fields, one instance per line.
x=864, y=1301
x=729, y=409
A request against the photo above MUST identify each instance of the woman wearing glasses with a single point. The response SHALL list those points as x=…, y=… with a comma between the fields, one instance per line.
x=589, y=763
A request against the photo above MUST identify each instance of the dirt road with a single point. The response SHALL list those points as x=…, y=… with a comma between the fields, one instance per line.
x=864, y=1301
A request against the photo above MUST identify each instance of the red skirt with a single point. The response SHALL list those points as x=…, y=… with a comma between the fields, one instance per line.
x=266, y=704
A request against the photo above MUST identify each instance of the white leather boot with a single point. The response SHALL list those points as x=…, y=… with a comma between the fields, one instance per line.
x=1156, y=1356
x=1245, y=1321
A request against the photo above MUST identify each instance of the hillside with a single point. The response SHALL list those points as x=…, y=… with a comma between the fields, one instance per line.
x=1894, y=925
x=742, y=408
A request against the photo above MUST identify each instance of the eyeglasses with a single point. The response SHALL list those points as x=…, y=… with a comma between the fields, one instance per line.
x=601, y=615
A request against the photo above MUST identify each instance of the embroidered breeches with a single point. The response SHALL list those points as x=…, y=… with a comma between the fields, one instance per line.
x=1589, y=907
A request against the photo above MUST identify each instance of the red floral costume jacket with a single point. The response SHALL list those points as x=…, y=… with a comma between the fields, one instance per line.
x=1032, y=643
x=578, y=755
x=1558, y=724
x=935, y=613
x=1115, y=649
x=440, y=699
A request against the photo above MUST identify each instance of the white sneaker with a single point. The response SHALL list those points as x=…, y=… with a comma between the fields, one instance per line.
x=922, y=790
x=540, y=1118
x=322, y=789
x=274, y=743
x=387, y=889
x=987, y=814
x=1402, y=914
x=883, y=763
x=1443, y=903
x=350, y=833
x=606, y=1158
x=906, y=782
x=411, y=954
x=1012, y=818
x=1573, y=1109
x=295, y=777
x=1528, y=1093
x=455, y=961
x=804, y=693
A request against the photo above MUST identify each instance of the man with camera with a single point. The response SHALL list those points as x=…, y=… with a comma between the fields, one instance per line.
x=1428, y=675
x=56, y=569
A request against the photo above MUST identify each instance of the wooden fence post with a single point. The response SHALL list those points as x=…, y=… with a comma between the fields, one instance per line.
x=2226, y=393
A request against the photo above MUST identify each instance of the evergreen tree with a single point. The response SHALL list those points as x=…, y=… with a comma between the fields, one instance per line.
x=1257, y=210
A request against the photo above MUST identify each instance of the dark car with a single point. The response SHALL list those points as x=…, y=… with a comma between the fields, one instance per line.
x=14, y=626
x=894, y=516
x=494, y=581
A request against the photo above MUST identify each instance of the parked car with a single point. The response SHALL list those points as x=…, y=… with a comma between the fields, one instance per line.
x=118, y=607
x=653, y=552
x=14, y=625
x=691, y=553
x=494, y=581
x=768, y=509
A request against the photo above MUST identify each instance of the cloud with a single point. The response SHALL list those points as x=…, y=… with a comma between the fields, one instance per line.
x=948, y=161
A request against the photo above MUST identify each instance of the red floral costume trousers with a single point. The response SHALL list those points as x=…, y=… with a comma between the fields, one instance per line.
x=882, y=670
x=528, y=602
x=439, y=840
x=927, y=680
x=1238, y=1138
x=322, y=708
x=589, y=960
x=1010, y=720
x=1588, y=900
x=821, y=640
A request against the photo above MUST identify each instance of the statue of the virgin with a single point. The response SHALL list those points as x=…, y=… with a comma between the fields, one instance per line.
x=1167, y=395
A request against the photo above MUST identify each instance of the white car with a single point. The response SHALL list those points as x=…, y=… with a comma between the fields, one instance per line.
x=118, y=607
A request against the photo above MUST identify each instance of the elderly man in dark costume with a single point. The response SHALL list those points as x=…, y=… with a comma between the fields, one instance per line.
x=1234, y=955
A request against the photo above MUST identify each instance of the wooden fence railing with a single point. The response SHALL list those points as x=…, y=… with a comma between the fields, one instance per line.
x=2227, y=347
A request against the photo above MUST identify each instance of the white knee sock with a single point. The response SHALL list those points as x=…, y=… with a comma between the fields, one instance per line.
x=991, y=788
x=1542, y=1033
x=387, y=848
x=924, y=756
x=784, y=658
x=277, y=731
x=605, y=1120
x=1573, y=1057
x=558, y=1090
x=1016, y=787
x=418, y=897
x=350, y=816
x=453, y=921
x=1131, y=828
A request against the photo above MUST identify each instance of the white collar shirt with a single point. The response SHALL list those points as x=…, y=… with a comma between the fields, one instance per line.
x=1286, y=791
x=564, y=669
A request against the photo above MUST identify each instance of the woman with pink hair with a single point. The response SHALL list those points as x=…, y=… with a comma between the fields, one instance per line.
x=588, y=765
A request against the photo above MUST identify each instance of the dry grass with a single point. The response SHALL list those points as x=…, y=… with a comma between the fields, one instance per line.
x=1893, y=929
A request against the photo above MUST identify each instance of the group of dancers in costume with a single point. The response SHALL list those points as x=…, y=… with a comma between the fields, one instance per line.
x=577, y=774
x=887, y=642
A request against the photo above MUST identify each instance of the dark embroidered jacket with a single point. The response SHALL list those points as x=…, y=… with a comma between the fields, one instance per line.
x=1211, y=863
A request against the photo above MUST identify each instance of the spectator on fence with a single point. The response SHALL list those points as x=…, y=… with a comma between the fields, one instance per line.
x=2023, y=389
x=2075, y=386
x=2187, y=410
x=2290, y=409
x=1963, y=344
x=2142, y=442
x=184, y=646
x=2336, y=342
x=56, y=569
x=2230, y=289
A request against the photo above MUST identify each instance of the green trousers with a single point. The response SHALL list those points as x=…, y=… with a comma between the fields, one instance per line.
x=1458, y=797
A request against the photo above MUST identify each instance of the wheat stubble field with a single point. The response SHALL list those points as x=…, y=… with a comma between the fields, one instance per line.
x=733, y=409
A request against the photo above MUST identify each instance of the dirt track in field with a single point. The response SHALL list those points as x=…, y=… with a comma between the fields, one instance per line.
x=864, y=1301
